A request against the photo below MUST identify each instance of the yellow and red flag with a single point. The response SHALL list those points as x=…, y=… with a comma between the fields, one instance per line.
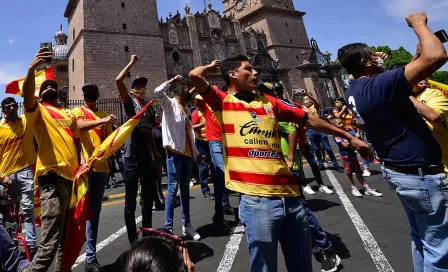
x=15, y=87
x=79, y=209
x=439, y=86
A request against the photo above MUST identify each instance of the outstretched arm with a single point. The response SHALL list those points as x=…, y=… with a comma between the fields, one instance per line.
x=29, y=84
x=425, y=111
x=124, y=94
x=197, y=75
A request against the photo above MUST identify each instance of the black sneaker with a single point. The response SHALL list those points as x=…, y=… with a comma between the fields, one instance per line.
x=208, y=195
x=221, y=223
x=229, y=211
x=330, y=261
x=92, y=267
x=321, y=167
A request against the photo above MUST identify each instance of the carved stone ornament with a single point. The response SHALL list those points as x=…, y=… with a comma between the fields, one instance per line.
x=218, y=52
x=253, y=42
x=177, y=69
x=174, y=39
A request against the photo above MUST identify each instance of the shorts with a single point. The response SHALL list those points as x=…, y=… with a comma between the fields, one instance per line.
x=351, y=164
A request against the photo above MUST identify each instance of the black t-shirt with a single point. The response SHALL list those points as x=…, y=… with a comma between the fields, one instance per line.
x=141, y=143
x=396, y=130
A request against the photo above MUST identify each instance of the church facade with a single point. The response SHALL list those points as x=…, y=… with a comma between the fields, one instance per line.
x=104, y=34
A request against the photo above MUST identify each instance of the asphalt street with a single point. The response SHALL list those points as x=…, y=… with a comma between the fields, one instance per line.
x=369, y=234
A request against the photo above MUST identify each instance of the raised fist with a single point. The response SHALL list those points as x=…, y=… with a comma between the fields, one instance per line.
x=417, y=18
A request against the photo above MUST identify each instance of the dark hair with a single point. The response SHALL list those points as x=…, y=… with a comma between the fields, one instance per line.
x=231, y=64
x=333, y=120
x=350, y=57
x=342, y=100
x=155, y=254
x=8, y=100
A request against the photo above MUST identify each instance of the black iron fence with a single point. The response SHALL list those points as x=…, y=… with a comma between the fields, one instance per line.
x=109, y=105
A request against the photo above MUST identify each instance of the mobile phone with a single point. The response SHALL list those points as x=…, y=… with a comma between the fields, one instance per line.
x=48, y=46
x=441, y=34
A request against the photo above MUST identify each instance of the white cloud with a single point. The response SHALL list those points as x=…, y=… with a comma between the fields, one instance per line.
x=11, y=41
x=436, y=10
x=11, y=71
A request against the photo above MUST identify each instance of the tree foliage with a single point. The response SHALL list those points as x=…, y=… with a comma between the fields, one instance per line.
x=440, y=76
x=397, y=57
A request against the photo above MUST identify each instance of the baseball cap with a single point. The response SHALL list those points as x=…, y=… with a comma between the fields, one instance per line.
x=46, y=83
x=90, y=85
x=139, y=80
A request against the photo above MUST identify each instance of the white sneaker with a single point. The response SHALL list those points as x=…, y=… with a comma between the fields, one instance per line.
x=178, y=191
x=326, y=164
x=191, y=183
x=325, y=189
x=372, y=192
x=355, y=192
x=188, y=230
x=307, y=189
x=366, y=173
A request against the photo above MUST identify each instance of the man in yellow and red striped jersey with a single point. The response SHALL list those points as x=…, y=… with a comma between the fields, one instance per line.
x=57, y=136
x=270, y=206
x=95, y=126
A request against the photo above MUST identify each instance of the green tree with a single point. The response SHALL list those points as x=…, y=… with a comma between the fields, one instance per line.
x=398, y=56
x=440, y=76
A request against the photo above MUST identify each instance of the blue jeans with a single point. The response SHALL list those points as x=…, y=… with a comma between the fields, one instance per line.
x=425, y=200
x=179, y=172
x=317, y=139
x=318, y=235
x=135, y=171
x=307, y=153
x=204, y=149
x=23, y=187
x=269, y=221
x=97, y=184
x=221, y=194
x=11, y=258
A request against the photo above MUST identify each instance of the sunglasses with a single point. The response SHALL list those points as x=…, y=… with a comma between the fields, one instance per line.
x=151, y=232
x=10, y=106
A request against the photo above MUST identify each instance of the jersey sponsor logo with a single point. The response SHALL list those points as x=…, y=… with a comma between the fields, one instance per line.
x=251, y=128
x=263, y=154
x=269, y=112
x=286, y=103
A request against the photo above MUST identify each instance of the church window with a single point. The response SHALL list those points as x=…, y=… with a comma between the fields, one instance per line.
x=126, y=49
x=122, y=4
x=124, y=26
x=176, y=56
x=73, y=64
x=290, y=40
x=286, y=24
x=129, y=74
x=74, y=34
x=297, y=57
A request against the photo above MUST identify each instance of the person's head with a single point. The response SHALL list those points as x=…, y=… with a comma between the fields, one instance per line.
x=9, y=108
x=48, y=92
x=359, y=60
x=307, y=101
x=340, y=103
x=421, y=86
x=91, y=94
x=138, y=87
x=154, y=253
x=336, y=122
x=274, y=89
x=157, y=120
x=182, y=93
x=239, y=74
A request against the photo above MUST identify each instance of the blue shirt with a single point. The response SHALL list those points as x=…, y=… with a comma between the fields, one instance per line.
x=344, y=151
x=396, y=130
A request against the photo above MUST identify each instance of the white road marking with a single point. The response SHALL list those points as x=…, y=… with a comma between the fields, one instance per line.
x=231, y=249
x=371, y=246
x=108, y=240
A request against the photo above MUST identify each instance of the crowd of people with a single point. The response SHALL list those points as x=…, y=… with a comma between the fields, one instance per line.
x=247, y=139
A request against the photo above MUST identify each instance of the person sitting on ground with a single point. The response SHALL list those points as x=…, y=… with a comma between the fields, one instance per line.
x=350, y=162
x=157, y=254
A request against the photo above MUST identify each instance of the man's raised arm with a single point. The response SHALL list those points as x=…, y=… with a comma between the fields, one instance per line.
x=123, y=74
x=433, y=54
x=29, y=84
x=197, y=75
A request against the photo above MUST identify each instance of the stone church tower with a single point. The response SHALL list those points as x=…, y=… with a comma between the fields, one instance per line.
x=285, y=31
x=102, y=37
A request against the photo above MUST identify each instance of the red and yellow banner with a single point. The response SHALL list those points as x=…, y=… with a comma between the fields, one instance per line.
x=439, y=86
x=79, y=210
x=15, y=87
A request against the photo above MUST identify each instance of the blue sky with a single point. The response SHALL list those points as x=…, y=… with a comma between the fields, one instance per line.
x=332, y=23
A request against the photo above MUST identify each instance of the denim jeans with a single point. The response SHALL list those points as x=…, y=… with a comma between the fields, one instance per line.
x=11, y=258
x=269, y=221
x=179, y=172
x=136, y=170
x=317, y=139
x=425, y=200
x=204, y=149
x=23, y=187
x=318, y=235
x=307, y=153
x=97, y=183
x=221, y=193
